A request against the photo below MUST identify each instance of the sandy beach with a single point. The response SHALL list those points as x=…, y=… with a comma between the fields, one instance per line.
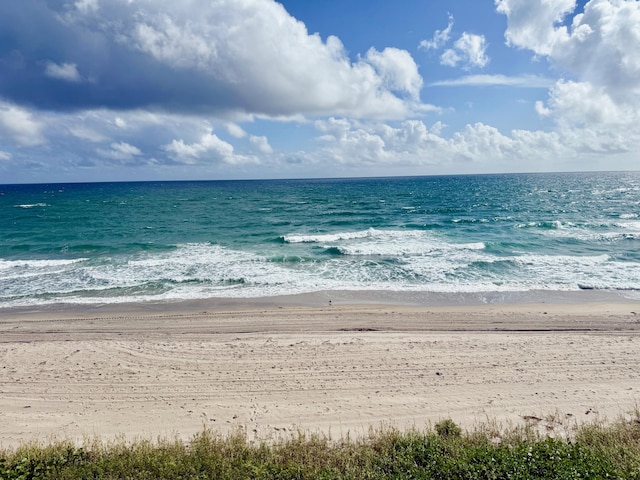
x=337, y=369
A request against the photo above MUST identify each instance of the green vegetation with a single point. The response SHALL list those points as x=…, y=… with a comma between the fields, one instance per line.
x=595, y=451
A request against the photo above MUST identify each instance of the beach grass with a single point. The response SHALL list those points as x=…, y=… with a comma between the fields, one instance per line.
x=594, y=450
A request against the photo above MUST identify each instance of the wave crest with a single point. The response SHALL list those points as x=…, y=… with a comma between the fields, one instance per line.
x=329, y=237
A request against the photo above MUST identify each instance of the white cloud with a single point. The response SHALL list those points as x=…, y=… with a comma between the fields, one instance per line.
x=397, y=69
x=584, y=104
x=252, y=56
x=602, y=45
x=223, y=58
x=120, y=151
x=65, y=71
x=345, y=146
x=179, y=45
x=521, y=81
x=601, y=143
x=261, y=143
x=469, y=50
x=19, y=125
x=208, y=61
x=411, y=143
x=236, y=130
x=532, y=23
x=440, y=37
x=479, y=142
x=89, y=134
x=477, y=147
x=127, y=136
x=86, y=6
x=541, y=109
x=126, y=149
x=208, y=148
x=597, y=109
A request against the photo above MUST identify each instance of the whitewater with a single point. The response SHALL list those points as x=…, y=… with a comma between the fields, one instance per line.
x=456, y=235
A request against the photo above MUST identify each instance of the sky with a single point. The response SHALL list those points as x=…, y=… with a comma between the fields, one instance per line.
x=119, y=90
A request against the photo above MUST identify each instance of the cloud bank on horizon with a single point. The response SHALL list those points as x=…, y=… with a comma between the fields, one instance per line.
x=153, y=89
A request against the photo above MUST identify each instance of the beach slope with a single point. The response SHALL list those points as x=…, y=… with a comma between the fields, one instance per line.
x=337, y=369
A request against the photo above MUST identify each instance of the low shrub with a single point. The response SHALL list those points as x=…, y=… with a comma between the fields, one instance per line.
x=596, y=451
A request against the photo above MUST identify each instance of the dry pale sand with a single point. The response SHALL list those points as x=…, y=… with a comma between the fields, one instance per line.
x=337, y=370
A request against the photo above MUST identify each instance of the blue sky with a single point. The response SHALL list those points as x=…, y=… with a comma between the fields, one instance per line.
x=97, y=90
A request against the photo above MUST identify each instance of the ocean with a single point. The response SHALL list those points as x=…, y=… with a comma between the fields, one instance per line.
x=480, y=236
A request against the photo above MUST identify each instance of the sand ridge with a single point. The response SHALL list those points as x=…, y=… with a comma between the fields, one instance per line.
x=338, y=369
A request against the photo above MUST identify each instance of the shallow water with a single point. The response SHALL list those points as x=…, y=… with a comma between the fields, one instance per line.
x=484, y=235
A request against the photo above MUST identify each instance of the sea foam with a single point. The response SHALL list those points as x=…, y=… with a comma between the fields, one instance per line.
x=110, y=243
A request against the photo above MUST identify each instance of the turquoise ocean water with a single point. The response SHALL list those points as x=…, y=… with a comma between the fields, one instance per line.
x=158, y=241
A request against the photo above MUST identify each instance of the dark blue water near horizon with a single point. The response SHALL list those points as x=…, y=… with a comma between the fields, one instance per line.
x=120, y=242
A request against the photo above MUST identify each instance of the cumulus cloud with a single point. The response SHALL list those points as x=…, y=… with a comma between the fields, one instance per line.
x=598, y=49
x=121, y=151
x=66, y=71
x=19, y=125
x=412, y=143
x=236, y=130
x=533, y=24
x=585, y=104
x=150, y=81
x=601, y=45
x=194, y=57
x=469, y=51
x=208, y=148
x=477, y=147
x=397, y=69
x=261, y=143
x=439, y=39
x=208, y=143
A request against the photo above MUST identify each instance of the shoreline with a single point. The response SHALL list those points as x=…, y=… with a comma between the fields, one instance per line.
x=272, y=368
x=343, y=297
